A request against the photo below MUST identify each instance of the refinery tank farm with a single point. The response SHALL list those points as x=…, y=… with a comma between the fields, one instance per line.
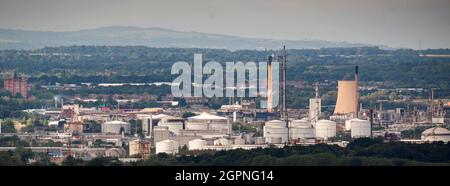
x=133, y=134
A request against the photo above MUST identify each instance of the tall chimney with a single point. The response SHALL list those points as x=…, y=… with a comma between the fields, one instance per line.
x=357, y=90
x=283, y=85
x=371, y=121
x=269, y=84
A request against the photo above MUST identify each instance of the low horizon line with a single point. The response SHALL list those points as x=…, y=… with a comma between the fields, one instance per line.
x=199, y=32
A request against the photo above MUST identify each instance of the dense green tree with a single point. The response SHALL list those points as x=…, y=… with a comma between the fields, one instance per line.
x=8, y=126
x=71, y=161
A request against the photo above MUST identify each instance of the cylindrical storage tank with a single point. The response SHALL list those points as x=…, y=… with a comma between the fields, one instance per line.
x=196, y=125
x=259, y=140
x=222, y=142
x=239, y=141
x=300, y=123
x=325, y=129
x=167, y=146
x=206, y=121
x=276, y=132
x=275, y=123
x=115, y=127
x=301, y=133
x=360, y=128
x=275, y=129
x=301, y=129
x=197, y=144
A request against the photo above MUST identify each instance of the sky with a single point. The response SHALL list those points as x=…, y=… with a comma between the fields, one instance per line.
x=418, y=24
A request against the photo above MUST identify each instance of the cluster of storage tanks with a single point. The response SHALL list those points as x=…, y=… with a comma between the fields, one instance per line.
x=276, y=131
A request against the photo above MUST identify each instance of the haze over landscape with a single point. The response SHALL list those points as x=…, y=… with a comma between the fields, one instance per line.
x=264, y=84
x=152, y=37
x=400, y=23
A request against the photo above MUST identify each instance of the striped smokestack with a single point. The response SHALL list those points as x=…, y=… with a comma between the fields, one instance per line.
x=269, y=84
x=357, y=90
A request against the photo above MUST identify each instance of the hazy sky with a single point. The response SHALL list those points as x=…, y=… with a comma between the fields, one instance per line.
x=396, y=23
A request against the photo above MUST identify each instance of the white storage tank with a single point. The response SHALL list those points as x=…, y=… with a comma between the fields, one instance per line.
x=359, y=128
x=436, y=134
x=325, y=129
x=275, y=129
x=206, y=121
x=115, y=127
x=222, y=142
x=301, y=129
x=197, y=144
x=275, y=123
x=167, y=146
x=300, y=123
x=275, y=132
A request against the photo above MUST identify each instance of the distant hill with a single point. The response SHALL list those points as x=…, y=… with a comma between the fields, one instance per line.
x=153, y=37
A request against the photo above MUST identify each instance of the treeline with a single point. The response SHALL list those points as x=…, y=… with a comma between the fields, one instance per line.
x=11, y=107
x=360, y=152
x=97, y=64
x=106, y=90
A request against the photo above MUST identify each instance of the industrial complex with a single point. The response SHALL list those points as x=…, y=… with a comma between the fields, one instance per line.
x=133, y=134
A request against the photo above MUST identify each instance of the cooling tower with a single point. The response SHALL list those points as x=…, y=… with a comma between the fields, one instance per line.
x=347, y=98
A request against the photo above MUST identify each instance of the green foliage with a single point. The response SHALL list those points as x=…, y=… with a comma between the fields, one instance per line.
x=363, y=152
x=23, y=154
x=360, y=152
x=71, y=161
x=11, y=107
x=103, y=161
x=364, y=142
x=236, y=126
x=143, y=64
x=101, y=143
x=50, y=143
x=342, y=136
x=12, y=141
x=7, y=158
x=93, y=126
x=413, y=133
x=8, y=126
